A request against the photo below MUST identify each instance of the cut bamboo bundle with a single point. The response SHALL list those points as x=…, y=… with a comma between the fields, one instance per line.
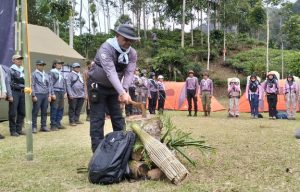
x=162, y=156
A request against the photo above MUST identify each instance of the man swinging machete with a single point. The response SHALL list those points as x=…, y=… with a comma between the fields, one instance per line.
x=115, y=61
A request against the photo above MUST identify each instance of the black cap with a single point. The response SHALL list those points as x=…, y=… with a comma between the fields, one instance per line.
x=57, y=61
x=40, y=62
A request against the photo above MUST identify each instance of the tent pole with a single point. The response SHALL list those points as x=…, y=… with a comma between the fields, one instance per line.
x=27, y=72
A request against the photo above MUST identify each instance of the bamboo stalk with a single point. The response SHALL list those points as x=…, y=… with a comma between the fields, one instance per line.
x=162, y=156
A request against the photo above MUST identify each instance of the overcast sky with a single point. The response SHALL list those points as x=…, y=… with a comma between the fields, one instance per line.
x=114, y=14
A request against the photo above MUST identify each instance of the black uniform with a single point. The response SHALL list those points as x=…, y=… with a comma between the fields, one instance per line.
x=16, y=110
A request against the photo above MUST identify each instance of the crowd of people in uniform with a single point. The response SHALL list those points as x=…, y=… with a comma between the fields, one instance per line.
x=52, y=88
x=255, y=92
x=113, y=79
x=47, y=88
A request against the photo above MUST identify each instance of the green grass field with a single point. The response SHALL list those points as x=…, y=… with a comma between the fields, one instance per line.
x=251, y=155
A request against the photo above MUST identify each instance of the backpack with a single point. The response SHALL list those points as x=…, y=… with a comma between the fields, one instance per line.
x=281, y=115
x=109, y=163
x=253, y=86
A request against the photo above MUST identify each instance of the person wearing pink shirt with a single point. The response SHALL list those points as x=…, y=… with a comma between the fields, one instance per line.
x=290, y=97
x=271, y=88
x=234, y=92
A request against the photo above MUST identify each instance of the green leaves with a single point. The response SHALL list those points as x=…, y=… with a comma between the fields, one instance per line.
x=178, y=140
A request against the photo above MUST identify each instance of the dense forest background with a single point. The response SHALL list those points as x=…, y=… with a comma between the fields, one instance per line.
x=241, y=36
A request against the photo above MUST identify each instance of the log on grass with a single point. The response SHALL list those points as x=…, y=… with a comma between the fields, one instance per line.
x=152, y=124
x=162, y=156
x=138, y=169
x=137, y=155
x=155, y=174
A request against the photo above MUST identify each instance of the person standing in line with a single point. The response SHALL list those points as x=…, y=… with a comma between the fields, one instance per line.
x=130, y=110
x=271, y=88
x=206, y=93
x=162, y=94
x=192, y=87
x=5, y=89
x=59, y=90
x=290, y=97
x=76, y=94
x=142, y=93
x=115, y=61
x=152, y=93
x=16, y=111
x=86, y=80
x=42, y=92
x=254, y=95
x=234, y=92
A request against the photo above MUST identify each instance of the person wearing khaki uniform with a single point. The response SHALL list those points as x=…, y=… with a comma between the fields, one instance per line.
x=206, y=92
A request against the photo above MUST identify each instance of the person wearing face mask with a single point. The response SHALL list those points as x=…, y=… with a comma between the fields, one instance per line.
x=271, y=88
x=42, y=92
x=59, y=90
x=16, y=111
x=110, y=78
x=254, y=95
x=290, y=97
x=76, y=94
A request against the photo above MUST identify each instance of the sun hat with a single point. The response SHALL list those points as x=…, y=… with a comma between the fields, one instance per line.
x=126, y=31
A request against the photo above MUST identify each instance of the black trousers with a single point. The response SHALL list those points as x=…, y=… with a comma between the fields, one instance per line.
x=190, y=95
x=272, y=102
x=161, y=100
x=152, y=102
x=108, y=98
x=16, y=112
x=41, y=104
x=128, y=108
x=75, y=106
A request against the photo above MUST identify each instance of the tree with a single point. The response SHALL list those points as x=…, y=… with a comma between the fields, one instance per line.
x=291, y=29
x=123, y=19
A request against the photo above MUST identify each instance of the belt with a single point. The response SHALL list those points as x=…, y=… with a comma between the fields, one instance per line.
x=205, y=90
x=18, y=90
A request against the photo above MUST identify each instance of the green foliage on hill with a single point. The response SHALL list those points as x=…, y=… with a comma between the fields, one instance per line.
x=255, y=61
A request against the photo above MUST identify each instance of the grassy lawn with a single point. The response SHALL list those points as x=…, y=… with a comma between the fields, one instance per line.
x=252, y=155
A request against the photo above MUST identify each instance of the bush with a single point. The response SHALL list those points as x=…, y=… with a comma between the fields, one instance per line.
x=254, y=61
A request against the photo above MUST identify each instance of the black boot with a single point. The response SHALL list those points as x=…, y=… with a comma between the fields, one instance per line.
x=190, y=113
x=195, y=114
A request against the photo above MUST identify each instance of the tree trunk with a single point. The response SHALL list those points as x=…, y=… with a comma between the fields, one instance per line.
x=89, y=17
x=138, y=169
x=57, y=27
x=208, y=36
x=183, y=23
x=98, y=14
x=144, y=20
x=108, y=16
x=104, y=16
x=201, y=21
x=192, y=33
x=224, y=38
x=151, y=124
x=268, y=36
x=80, y=18
x=155, y=174
x=71, y=24
x=281, y=39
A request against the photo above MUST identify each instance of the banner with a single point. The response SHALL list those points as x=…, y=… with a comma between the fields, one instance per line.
x=7, y=31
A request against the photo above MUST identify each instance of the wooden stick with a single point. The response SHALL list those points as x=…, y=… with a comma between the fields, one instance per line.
x=141, y=106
